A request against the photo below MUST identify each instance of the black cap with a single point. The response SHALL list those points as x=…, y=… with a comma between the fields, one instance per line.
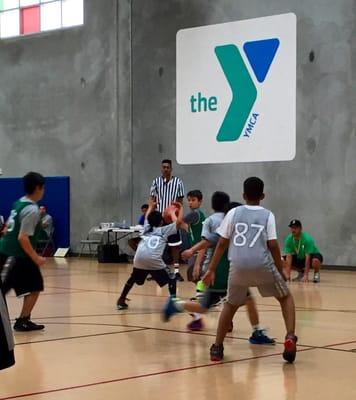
x=296, y=223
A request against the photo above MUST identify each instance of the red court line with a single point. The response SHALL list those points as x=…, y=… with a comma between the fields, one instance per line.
x=81, y=336
x=170, y=371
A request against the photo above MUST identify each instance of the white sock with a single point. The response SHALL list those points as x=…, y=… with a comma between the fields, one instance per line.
x=256, y=327
x=179, y=304
x=196, y=316
x=176, y=268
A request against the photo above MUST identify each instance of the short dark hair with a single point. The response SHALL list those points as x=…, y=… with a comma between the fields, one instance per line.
x=196, y=193
x=155, y=219
x=144, y=206
x=167, y=161
x=31, y=181
x=232, y=204
x=220, y=201
x=253, y=188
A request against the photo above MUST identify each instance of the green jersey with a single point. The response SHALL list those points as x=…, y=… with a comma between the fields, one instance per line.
x=221, y=274
x=24, y=218
x=302, y=247
x=195, y=221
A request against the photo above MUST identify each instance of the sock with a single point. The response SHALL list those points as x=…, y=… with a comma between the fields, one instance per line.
x=172, y=287
x=179, y=305
x=256, y=327
x=176, y=268
x=196, y=316
x=200, y=287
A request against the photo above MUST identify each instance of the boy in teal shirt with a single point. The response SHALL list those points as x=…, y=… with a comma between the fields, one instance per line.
x=301, y=254
x=22, y=272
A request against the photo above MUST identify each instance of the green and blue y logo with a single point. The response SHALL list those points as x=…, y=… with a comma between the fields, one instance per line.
x=260, y=55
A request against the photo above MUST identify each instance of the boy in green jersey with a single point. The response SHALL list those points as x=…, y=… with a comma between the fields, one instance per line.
x=301, y=254
x=19, y=262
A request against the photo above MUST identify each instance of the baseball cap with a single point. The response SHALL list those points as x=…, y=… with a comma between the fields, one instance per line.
x=296, y=223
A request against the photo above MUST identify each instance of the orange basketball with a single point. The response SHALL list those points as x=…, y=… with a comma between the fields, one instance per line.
x=167, y=213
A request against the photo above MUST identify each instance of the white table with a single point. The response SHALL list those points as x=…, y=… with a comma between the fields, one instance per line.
x=124, y=232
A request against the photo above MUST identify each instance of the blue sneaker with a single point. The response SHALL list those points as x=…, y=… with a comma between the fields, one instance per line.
x=169, y=309
x=259, y=337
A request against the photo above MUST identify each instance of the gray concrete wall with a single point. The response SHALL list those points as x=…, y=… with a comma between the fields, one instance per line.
x=319, y=186
x=58, y=112
x=98, y=103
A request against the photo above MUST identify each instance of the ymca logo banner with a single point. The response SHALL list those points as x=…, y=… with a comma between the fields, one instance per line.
x=236, y=90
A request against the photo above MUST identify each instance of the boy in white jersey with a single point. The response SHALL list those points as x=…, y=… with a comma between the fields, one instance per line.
x=148, y=258
x=255, y=260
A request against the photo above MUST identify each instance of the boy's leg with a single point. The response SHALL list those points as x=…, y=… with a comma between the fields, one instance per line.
x=226, y=316
x=138, y=276
x=288, y=311
x=258, y=335
x=26, y=279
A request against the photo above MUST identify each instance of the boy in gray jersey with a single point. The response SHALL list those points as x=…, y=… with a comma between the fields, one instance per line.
x=255, y=260
x=148, y=258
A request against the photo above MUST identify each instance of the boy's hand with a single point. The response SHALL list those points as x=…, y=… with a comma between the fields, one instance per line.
x=187, y=254
x=152, y=203
x=40, y=261
x=209, y=278
x=177, y=204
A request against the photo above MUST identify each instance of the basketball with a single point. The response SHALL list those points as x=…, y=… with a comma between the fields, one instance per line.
x=167, y=213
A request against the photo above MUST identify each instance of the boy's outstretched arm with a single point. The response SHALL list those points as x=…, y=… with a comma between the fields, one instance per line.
x=178, y=219
x=273, y=247
x=220, y=249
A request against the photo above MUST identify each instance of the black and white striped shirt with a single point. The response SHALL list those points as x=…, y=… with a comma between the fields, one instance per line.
x=166, y=192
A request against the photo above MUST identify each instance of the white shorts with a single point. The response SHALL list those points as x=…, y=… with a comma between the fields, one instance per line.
x=267, y=279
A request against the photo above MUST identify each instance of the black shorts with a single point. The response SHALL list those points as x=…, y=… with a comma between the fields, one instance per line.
x=211, y=299
x=161, y=276
x=24, y=276
x=7, y=358
x=300, y=263
x=175, y=240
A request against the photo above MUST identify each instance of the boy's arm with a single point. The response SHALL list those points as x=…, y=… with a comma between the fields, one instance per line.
x=220, y=249
x=26, y=245
x=273, y=247
x=178, y=219
x=202, y=245
x=198, y=262
x=151, y=207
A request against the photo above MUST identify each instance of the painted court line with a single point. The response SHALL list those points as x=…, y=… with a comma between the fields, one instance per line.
x=142, y=376
x=81, y=336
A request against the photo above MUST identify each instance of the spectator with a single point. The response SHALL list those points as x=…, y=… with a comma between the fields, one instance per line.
x=46, y=221
x=301, y=254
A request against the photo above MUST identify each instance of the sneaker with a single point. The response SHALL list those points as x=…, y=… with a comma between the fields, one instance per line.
x=26, y=325
x=169, y=309
x=231, y=327
x=121, y=305
x=316, y=277
x=259, y=337
x=299, y=277
x=179, y=277
x=216, y=352
x=149, y=278
x=290, y=348
x=196, y=325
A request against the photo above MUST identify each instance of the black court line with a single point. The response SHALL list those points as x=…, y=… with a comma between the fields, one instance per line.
x=81, y=336
x=142, y=376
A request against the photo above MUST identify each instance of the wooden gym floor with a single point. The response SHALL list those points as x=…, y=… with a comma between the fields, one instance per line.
x=91, y=351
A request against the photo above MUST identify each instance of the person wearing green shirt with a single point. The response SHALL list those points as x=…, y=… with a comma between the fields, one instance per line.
x=301, y=254
x=19, y=262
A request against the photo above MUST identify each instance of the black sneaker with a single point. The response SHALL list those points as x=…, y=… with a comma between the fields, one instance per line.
x=290, y=348
x=26, y=325
x=179, y=277
x=216, y=352
x=121, y=305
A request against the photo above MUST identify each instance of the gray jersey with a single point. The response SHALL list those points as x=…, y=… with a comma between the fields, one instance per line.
x=210, y=225
x=249, y=229
x=151, y=247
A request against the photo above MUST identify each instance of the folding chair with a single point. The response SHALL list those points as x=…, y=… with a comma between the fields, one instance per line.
x=93, y=239
x=44, y=244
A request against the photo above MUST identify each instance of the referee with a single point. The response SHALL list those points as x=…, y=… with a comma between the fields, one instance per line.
x=165, y=190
